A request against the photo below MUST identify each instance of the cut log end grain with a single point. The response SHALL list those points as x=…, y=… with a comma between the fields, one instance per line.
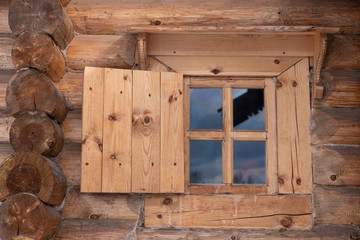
x=47, y=16
x=24, y=214
x=32, y=173
x=35, y=131
x=31, y=90
x=37, y=50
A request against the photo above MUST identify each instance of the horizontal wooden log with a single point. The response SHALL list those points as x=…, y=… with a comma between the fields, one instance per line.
x=71, y=87
x=5, y=76
x=32, y=173
x=336, y=126
x=337, y=205
x=336, y=165
x=72, y=126
x=36, y=132
x=70, y=162
x=94, y=229
x=6, y=121
x=111, y=17
x=6, y=43
x=31, y=90
x=342, y=87
x=47, y=16
x=37, y=50
x=228, y=211
x=95, y=206
x=4, y=11
x=343, y=51
x=25, y=214
x=5, y=150
x=102, y=51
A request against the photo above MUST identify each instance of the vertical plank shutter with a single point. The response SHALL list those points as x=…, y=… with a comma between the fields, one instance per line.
x=133, y=133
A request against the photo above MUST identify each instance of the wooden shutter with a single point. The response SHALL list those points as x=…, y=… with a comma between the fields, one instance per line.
x=132, y=133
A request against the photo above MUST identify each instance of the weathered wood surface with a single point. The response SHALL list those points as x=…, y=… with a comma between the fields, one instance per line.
x=94, y=229
x=4, y=11
x=228, y=211
x=25, y=214
x=111, y=18
x=343, y=51
x=35, y=131
x=5, y=76
x=6, y=43
x=69, y=161
x=72, y=125
x=342, y=88
x=37, y=50
x=337, y=205
x=95, y=206
x=336, y=165
x=102, y=51
x=47, y=16
x=31, y=90
x=5, y=151
x=32, y=173
x=335, y=126
x=71, y=87
x=65, y=2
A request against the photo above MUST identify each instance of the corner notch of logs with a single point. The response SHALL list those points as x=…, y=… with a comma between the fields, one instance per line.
x=32, y=183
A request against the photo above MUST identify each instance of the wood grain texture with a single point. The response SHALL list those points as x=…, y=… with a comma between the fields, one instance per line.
x=230, y=45
x=226, y=66
x=228, y=211
x=5, y=125
x=342, y=87
x=227, y=143
x=172, y=133
x=70, y=163
x=105, y=51
x=337, y=205
x=336, y=126
x=4, y=11
x=221, y=82
x=92, y=130
x=112, y=18
x=105, y=206
x=72, y=126
x=6, y=43
x=71, y=87
x=117, y=123
x=293, y=125
x=5, y=76
x=146, y=136
x=336, y=165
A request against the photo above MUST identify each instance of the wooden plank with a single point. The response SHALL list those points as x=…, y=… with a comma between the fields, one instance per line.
x=172, y=133
x=146, y=132
x=293, y=116
x=249, y=136
x=227, y=189
x=71, y=87
x=117, y=122
x=336, y=165
x=205, y=134
x=111, y=17
x=343, y=52
x=231, y=45
x=336, y=126
x=105, y=51
x=227, y=143
x=6, y=43
x=156, y=66
x=222, y=82
x=271, y=142
x=342, y=87
x=94, y=206
x=225, y=66
x=186, y=129
x=228, y=211
x=337, y=205
x=92, y=130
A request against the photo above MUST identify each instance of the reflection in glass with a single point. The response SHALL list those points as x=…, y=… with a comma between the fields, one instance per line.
x=249, y=162
x=204, y=104
x=248, y=105
x=205, y=162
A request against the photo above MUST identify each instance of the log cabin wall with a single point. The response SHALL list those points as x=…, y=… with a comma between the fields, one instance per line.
x=105, y=38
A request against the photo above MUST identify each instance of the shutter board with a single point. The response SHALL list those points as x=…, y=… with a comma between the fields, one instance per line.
x=116, y=168
x=92, y=125
x=172, y=133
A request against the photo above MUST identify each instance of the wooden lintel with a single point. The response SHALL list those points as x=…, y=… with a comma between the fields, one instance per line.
x=319, y=57
x=142, y=49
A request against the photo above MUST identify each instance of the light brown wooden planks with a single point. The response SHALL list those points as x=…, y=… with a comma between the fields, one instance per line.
x=172, y=133
x=228, y=211
x=293, y=117
x=117, y=118
x=145, y=150
x=92, y=130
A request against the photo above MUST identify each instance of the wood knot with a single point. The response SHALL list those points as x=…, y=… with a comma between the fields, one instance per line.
x=50, y=143
x=215, y=71
x=113, y=156
x=298, y=181
x=279, y=84
x=87, y=164
x=287, y=222
x=233, y=237
x=156, y=23
x=333, y=177
x=159, y=216
x=281, y=180
x=276, y=61
x=180, y=92
x=147, y=120
x=167, y=201
x=125, y=77
x=112, y=118
x=100, y=147
x=294, y=84
x=94, y=216
x=171, y=98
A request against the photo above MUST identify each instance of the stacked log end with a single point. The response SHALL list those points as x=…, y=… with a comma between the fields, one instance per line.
x=31, y=185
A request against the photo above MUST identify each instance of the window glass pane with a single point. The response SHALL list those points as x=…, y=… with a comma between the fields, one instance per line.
x=205, y=162
x=248, y=105
x=205, y=105
x=249, y=162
